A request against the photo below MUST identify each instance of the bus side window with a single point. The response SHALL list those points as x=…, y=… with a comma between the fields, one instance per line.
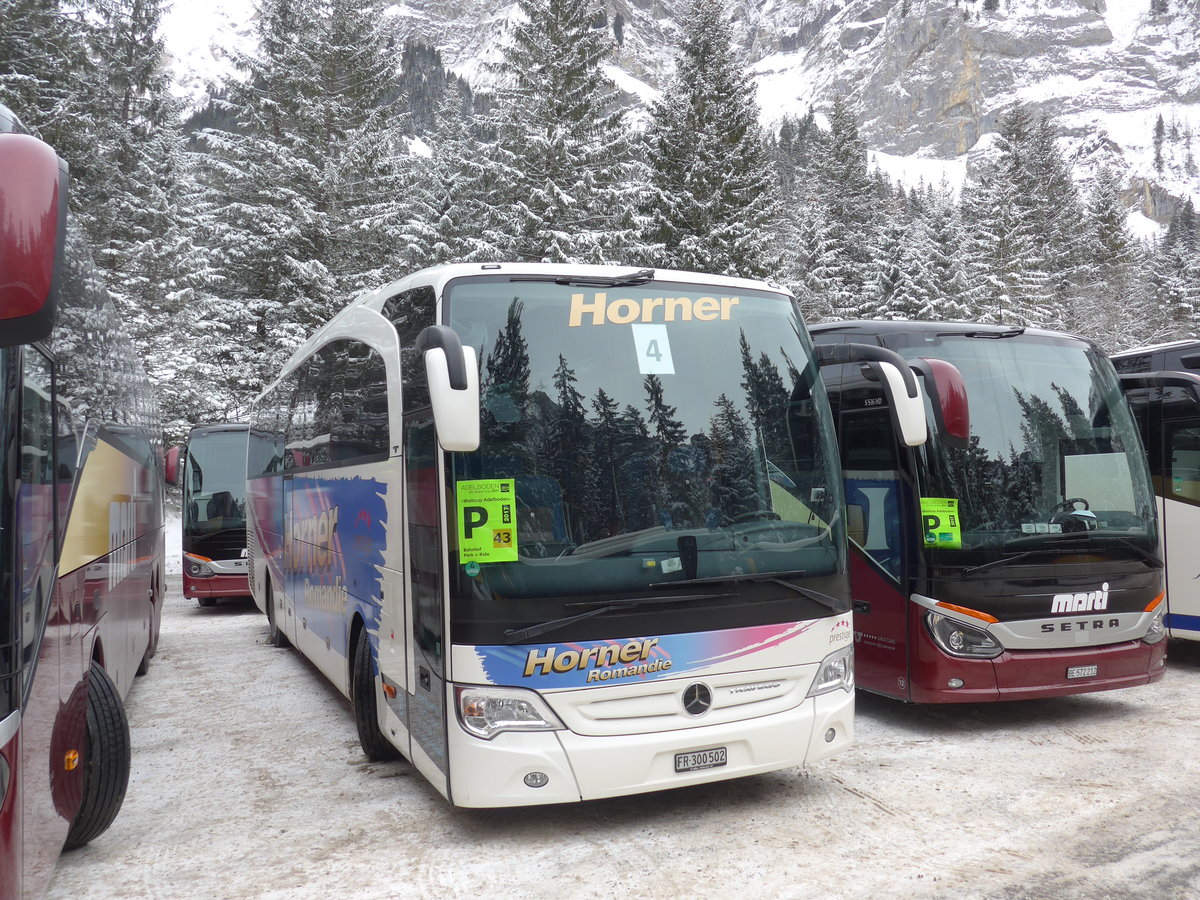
x=36, y=500
x=1183, y=458
x=870, y=469
x=411, y=312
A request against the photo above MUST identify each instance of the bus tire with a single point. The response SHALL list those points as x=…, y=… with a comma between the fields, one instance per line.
x=274, y=634
x=362, y=698
x=207, y=601
x=106, y=760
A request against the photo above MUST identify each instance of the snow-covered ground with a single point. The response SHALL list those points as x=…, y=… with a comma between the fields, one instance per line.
x=248, y=782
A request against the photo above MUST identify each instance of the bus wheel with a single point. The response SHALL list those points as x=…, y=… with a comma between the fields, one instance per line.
x=274, y=635
x=207, y=601
x=362, y=698
x=106, y=760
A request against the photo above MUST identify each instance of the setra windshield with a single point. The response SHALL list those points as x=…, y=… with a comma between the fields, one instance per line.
x=1054, y=460
x=661, y=443
x=214, y=481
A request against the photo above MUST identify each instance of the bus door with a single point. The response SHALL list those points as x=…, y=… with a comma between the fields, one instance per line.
x=426, y=707
x=1167, y=408
x=874, y=505
x=49, y=673
x=1180, y=509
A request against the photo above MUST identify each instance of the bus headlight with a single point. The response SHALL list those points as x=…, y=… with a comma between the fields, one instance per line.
x=488, y=711
x=1157, y=630
x=836, y=673
x=196, y=566
x=957, y=639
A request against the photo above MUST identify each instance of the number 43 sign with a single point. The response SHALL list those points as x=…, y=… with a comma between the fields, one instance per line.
x=487, y=520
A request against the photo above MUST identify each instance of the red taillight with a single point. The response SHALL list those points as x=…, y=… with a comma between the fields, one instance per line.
x=32, y=209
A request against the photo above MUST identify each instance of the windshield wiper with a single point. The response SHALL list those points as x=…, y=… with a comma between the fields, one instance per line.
x=779, y=578
x=1075, y=542
x=641, y=276
x=1005, y=561
x=991, y=335
x=613, y=606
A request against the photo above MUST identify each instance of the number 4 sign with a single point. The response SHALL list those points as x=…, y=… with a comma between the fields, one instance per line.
x=653, y=350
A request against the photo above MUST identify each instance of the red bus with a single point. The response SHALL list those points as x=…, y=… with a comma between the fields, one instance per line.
x=1015, y=554
x=81, y=537
x=212, y=470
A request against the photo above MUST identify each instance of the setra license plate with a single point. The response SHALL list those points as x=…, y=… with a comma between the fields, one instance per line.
x=701, y=759
x=1082, y=671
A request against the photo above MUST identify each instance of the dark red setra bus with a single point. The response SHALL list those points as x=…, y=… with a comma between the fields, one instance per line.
x=1015, y=554
x=81, y=538
x=211, y=470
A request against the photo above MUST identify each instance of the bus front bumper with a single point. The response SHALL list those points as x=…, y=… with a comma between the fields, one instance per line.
x=216, y=586
x=585, y=767
x=1033, y=674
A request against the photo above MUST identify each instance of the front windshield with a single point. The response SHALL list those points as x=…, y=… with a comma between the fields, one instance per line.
x=652, y=435
x=214, y=482
x=1054, y=458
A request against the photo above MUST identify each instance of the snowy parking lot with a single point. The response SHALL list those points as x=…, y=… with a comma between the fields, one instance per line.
x=248, y=782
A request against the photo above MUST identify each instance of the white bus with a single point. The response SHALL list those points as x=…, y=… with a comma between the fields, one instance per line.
x=563, y=533
x=1164, y=390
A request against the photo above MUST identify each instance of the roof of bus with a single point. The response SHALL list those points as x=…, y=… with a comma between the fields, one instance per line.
x=1150, y=348
x=910, y=326
x=438, y=276
x=198, y=430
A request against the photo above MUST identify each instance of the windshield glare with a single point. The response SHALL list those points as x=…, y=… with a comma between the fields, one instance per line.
x=215, y=481
x=653, y=434
x=1054, y=456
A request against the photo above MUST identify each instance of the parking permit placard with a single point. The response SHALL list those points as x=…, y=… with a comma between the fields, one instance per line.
x=940, y=524
x=487, y=520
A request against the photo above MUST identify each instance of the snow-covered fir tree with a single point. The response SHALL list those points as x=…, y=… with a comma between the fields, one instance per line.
x=292, y=192
x=563, y=178
x=715, y=202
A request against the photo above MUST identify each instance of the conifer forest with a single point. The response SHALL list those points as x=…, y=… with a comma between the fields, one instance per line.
x=340, y=155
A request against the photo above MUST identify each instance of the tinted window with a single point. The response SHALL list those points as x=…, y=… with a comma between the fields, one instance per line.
x=411, y=312
x=338, y=407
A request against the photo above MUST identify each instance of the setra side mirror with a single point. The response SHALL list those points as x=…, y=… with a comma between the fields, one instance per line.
x=171, y=466
x=948, y=395
x=33, y=220
x=453, y=374
x=906, y=405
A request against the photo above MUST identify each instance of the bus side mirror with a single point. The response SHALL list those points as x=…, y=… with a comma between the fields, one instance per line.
x=453, y=375
x=33, y=221
x=905, y=403
x=948, y=393
x=171, y=469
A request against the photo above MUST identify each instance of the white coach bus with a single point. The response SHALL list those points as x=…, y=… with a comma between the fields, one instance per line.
x=563, y=533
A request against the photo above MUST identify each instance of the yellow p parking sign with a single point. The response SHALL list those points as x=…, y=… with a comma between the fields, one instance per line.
x=487, y=520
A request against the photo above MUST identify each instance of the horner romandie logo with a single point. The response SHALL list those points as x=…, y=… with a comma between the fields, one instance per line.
x=632, y=653
x=1086, y=601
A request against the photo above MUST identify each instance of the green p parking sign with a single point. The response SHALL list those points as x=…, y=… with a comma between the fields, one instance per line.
x=487, y=520
x=940, y=524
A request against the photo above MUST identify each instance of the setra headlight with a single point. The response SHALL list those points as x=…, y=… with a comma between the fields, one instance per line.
x=488, y=711
x=1157, y=630
x=197, y=565
x=958, y=639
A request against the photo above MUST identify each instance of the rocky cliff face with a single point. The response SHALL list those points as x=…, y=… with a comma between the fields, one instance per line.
x=928, y=77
